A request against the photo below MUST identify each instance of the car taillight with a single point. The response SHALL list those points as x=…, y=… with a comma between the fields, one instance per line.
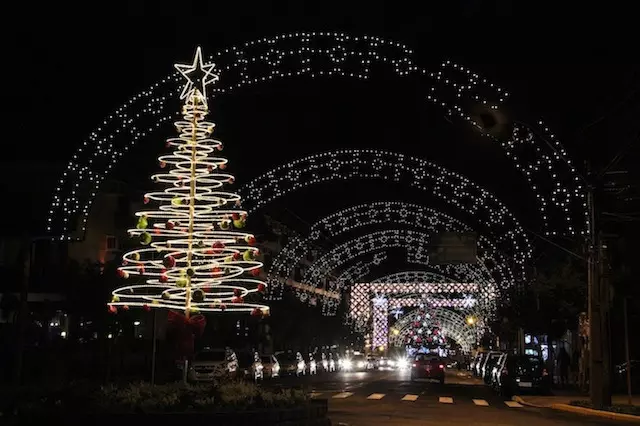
x=441, y=366
x=544, y=372
x=415, y=364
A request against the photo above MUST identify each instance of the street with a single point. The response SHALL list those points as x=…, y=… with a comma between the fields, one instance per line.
x=390, y=398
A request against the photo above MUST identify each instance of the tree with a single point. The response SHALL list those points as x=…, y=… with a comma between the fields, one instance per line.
x=194, y=257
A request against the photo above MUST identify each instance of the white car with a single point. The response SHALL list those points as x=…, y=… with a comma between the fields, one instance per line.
x=271, y=366
x=211, y=364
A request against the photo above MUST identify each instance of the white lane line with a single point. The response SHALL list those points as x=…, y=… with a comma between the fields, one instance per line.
x=481, y=402
x=410, y=397
x=315, y=394
x=513, y=404
x=376, y=396
x=445, y=400
x=342, y=395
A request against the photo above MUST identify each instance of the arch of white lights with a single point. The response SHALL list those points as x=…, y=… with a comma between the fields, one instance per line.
x=439, y=292
x=456, y=190
x=534, y=150
x=416, y=244
x=452, y=324
x=387, y=212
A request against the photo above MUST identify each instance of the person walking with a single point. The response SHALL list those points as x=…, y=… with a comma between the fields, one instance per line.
x=563, y=363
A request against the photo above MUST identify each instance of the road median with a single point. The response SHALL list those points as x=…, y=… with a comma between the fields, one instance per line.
x=538, y=403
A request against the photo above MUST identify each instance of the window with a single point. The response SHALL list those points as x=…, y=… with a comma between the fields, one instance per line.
x=112, y=242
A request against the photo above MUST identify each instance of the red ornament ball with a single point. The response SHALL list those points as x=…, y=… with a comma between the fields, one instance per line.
x=164, y=278
x=255, y=272
x=256, y=312
x=146, y=308
x=261, y=287
x=169, y=262
x=235, y=216
x=113, y=309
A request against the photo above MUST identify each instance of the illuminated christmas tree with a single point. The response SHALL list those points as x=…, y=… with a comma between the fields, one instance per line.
x=194, y=256
x=425, y=331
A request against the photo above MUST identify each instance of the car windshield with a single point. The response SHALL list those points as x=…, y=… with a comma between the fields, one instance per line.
x=266, y=359
x=358, y=358
x=210, y=356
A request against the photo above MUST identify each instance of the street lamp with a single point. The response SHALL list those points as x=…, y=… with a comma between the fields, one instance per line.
x=471, y=320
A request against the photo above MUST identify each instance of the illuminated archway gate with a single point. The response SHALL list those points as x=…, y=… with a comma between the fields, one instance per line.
x=452, y=324
x=533, y=149
x=373, y=301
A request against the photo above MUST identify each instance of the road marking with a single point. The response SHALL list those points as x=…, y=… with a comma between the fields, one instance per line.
x=513, y=404
x=342, y=395
x=481, y=402
x=315, y=394
x=376, y=396
x=409, y=397
x=445, y=400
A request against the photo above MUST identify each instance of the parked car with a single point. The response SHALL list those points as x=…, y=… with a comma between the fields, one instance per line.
x=430, y=367
x=312, y=364
x=270, y=366
x=477, y=364
x=250, y=366
x=521, y=373
x=210, y=364
x=292, y=363
x=489, y=363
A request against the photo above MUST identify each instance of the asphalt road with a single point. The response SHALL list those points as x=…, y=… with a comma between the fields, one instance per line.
x=390, y=398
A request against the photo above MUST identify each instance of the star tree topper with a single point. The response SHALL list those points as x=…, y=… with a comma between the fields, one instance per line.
x=198, y=76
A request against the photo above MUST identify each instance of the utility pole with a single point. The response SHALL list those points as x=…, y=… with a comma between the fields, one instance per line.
x=598, y=304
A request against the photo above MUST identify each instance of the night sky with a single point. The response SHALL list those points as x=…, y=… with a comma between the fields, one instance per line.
x=69, y=68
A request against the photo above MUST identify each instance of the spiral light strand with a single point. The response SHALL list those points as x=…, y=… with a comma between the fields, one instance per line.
x=194, y=257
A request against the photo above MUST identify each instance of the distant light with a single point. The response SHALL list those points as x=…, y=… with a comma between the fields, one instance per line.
x=136, y=323
x=63, y=334
x=109, y=336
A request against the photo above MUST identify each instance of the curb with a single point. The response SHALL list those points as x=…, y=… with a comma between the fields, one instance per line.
x=583, y=411
x=596, y=413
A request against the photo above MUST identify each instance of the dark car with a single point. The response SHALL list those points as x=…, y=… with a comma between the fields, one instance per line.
x=291, y=363
x=521, y=373
x=430, y=367
x=490, y=363
x=250, y=366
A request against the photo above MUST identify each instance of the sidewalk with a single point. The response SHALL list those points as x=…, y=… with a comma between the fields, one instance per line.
x=547, y=401
x=562, y=403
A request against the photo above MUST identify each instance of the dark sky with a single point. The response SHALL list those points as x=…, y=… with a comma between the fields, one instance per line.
x=70, y=67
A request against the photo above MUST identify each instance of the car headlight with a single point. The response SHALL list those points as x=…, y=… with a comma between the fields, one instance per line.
x=346, y=363
x=403, y=363
x=390, y=363
x=360, y=364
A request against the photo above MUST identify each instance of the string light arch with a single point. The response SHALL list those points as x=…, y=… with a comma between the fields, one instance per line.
x=534, y=149
x=452, y=324
x=377, y=213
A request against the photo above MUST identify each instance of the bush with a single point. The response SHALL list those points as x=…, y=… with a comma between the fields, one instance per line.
x=144, y=398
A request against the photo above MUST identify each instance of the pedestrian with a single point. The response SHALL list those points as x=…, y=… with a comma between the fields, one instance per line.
x=563, y=363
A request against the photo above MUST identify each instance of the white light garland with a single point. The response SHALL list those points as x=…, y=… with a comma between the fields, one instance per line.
x=388, y=213
x=195, y=261
x=452, y=87
x=451, y=324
